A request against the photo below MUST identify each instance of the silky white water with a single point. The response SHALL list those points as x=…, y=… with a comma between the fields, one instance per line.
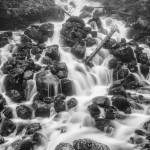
x=89, y=83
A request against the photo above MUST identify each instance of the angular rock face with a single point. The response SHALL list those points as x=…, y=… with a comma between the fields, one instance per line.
x=19, y=14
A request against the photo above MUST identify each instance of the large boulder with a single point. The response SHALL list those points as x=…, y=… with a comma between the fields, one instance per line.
x=24, y=112
x=7, y=127
x=19, y=14
x=46, y=83
x=88, y=144
x=94, y=110
x=41, y=33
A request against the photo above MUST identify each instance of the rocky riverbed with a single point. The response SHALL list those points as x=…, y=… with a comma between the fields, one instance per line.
x=51, y=98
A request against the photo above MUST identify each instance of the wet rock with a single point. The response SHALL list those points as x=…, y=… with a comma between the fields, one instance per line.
x=60, y=70
x=8, y=112
x=26, y=144
x=2, y=140
x=120, y=73
x=101, y=101
x=111, y=44
x=110, y=113
x=88, y=144
x=78, y=50
x=7, y=127
x=131, y=82
x=2, y=102
x=133, y=66
x=35, y=50
x=139, y=132
x=21, y=127
x=66, y=87
x=16, y=96
x=25, y=39
x=46, y=83
x=40, y=34
x=125, y=54
x=94, y=34
x=73, y=31
x=48, y=100
x=94, y=110
x=53, y=52
x=119, y=90
x=59, y=103
x=113, y=63
x=63, y=146
x=32, y=128
x=24, y=112
x=143, y=58
x=84, y=14
x=146, y=126
x=144, y=70
x=4, y=38
x=46, y=60
x=90, y=41
x=42, y=110
x=121, y=103
x=71, y=103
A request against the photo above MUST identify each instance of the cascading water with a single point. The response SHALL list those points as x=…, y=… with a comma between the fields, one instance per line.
x=89, y=83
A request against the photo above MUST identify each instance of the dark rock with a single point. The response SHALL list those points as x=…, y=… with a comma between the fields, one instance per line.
x=2, y=102
x=146, y=126
x=94, y=110
x=46, y=82
x=120, y=90
x=46, y=60
x=113, y=63
x=94, y=34
x=7, y=127
x=36, y=50
x=4, y=38
x=53, y=52
x=110, y=113
x=143, y=58
x=59, y=103
x=111, y=44
x=119, y=74
x=26, y=144
x=139, y=132
x=101, y=101
x=21, y=127
x=66, y=87
x=90, y=41
x=25, y=39
x=88, y=144
x=144, y=70
x=60, y=70
x=48, y=100
x=32, y=128
x=40, y=34
x=8, y=112
x=78, y=51
x=63, y=146
x=125, y=54
x=24, y=112
x=71, y=103
x=121, y=103
x=73, y=31
x=16, y=96
x=42, y=110
x=133, y=66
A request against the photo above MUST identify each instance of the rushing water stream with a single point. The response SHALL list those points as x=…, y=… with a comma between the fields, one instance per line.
x=89, y=83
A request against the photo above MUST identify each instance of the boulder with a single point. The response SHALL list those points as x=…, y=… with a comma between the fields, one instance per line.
x=121, y=103
x=42, y=109
x=88, y=144
x=40, y=34
x=59, y=103
x=46, y=83
x=66, y=87
x=2, y=140
x=60, y=70
x=133, y=66
x=24, y=112
x=64, y=146
x=94, y=110
x=90, y=41
x=71, y=103
x=110, y=113
x=32, y=128
x=144, y=70
x=47, y=60
x=53, y=52
x=78, y=51
x=8, y=112
x=7, y=127
x=2, y=102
